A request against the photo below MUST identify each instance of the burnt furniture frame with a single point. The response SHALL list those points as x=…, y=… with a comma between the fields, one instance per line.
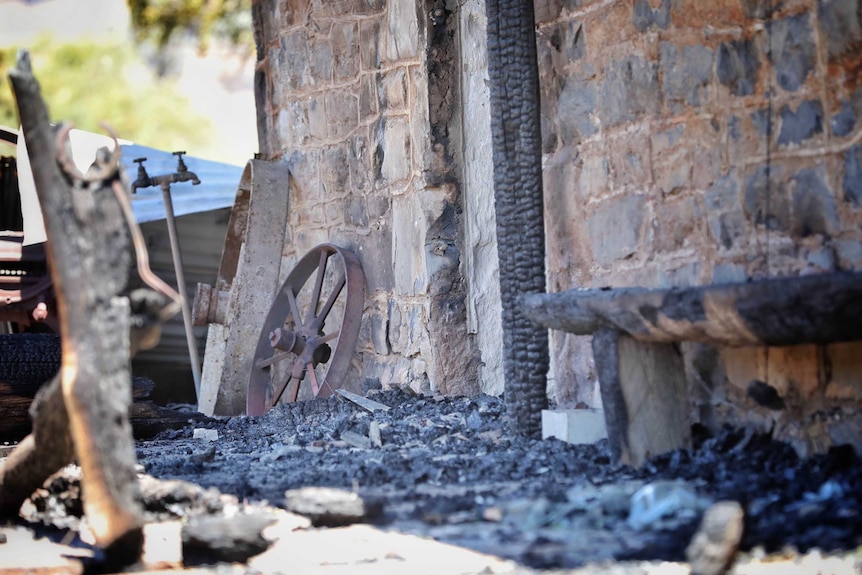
x=636, y=331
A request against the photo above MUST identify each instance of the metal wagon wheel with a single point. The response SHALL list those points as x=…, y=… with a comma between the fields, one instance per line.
x=309, y=335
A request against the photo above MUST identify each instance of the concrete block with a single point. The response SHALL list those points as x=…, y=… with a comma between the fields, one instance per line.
x=205, y=434
x=574, y=425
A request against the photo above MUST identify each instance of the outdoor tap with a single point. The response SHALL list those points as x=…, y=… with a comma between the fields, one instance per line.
x=143, y=180
x=183, y=173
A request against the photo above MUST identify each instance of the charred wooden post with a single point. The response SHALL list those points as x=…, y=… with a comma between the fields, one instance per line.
x=83, y=413
x=635, y=330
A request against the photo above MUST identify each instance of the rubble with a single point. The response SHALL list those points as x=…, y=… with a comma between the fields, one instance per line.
x=444, y=469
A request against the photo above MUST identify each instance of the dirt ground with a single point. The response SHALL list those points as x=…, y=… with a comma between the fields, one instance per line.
x=435, y=485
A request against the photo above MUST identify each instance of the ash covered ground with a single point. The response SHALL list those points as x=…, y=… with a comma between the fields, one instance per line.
x=445, y=468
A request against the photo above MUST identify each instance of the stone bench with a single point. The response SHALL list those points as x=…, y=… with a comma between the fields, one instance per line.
x=635, y=331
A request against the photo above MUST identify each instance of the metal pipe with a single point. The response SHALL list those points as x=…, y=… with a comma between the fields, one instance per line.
x=181, y=287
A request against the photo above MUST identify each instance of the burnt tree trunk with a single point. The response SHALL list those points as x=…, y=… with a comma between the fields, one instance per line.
x=516, y=138
x=90, y=261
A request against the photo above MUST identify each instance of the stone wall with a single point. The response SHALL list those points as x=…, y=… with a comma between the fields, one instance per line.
x=690, y=142
x=360, y=98
x=684, y=143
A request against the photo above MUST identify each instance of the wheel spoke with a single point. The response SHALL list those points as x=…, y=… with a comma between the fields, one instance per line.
x=327, y=307
x=279, y=387
x=315, y=388
x=328, y=337
x=294, y=310
x=274, y=359
x=318, y=285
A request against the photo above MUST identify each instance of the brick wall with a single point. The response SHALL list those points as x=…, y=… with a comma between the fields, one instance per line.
x=357, y=97
x=690, y=142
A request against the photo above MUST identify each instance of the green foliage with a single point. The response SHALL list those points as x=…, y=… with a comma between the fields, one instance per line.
x=87, y=83
x=159, y=20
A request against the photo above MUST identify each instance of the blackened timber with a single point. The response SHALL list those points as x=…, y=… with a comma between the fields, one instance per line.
x=89, y=252
x=821, y=308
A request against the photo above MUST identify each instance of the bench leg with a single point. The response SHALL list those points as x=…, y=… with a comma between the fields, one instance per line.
x=644, y=394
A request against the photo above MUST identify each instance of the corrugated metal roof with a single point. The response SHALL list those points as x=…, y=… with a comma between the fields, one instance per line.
x=202, y=213
x=216, y=190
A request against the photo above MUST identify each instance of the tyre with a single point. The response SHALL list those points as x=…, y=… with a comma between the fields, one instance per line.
x=29, y=358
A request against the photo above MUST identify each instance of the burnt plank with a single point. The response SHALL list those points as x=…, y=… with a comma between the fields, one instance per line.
x=820, y=308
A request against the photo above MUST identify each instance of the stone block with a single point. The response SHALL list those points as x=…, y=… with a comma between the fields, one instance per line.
x=853, y=176
x=686, y=72
x=615, y=228
x=402, y=30
x=368, y=96
x=693, y=14
x=671, y=160
x=408, y=333
x=334, y=217
x=801, y=124
x=294, y=12
x=320, y=60
x=606, y=25
x=728, y=273
x=684, y=275
x=706, y=143
x=317, y=122
x=766, y=201
x=841, y=26
x=409, y=229
x=737, y=64
x=380, y=328
x=292, y=63
x=575, y=109
x=630, y=87
x=342, y=112
x=379, y=207
x=375, y=253
x=676, y=223
x=844, y=121
x=334, y=171
x=293, y=125
x=849, y=254
x=818, y=260
x=369, y=45
x=793, y=51
x=305, y=171
x=359, y=163
x=345, y=50
x=393, y=89
x=547, y=10
x=576, y=426
x=747, y=136
x=355, y=211
x=644, y=16
x=393, y=150
x=814, y=210
x=631, y=165
x=728, y=228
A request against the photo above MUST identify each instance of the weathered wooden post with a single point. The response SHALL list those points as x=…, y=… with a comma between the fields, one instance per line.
x=83, y=412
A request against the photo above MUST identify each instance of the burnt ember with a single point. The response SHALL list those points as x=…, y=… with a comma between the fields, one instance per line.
x=445, y=467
